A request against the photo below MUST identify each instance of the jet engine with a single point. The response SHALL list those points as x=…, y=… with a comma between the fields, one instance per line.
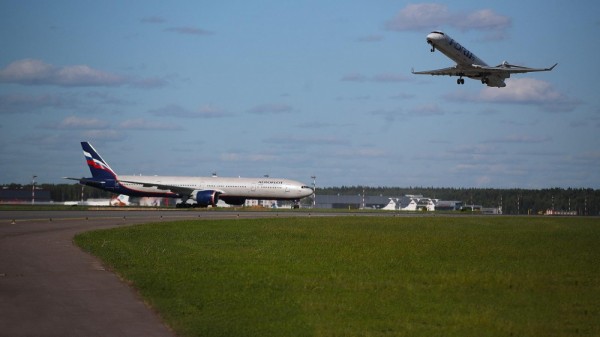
x=206, y=198
x=235, y=201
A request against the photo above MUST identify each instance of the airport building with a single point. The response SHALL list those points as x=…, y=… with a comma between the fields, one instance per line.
x=404, y=203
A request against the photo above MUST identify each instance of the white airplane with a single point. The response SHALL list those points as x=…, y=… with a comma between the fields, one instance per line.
x=469, y=65
x=205, y=191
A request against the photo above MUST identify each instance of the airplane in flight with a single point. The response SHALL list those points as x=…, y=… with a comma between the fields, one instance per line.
x=205, y=191
x=469, y=65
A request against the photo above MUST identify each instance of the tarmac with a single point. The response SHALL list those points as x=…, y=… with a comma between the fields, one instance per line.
x=49, y=287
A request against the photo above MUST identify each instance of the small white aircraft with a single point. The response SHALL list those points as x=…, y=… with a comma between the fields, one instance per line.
x=469, y=65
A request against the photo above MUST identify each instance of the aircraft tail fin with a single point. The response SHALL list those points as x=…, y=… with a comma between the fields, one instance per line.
x=98, y=166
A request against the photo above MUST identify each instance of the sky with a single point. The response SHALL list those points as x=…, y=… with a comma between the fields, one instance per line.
x=296, y=89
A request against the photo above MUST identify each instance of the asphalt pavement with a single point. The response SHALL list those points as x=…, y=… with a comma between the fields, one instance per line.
x=49, y=287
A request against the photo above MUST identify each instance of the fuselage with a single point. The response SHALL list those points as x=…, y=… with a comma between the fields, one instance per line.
x=453, y=50
x=246, y=188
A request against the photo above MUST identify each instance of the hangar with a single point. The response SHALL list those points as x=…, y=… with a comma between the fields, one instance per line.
x=404, y=203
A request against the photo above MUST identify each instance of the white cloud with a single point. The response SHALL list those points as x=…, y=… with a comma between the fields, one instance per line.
x=419, y=17
x=37, y=72
x=205, y=111
x=527, y=91
x=524, y=90
x=74, y=122
x=484, y=19
x=104, y=135
x=143, y=124
x=428, y=109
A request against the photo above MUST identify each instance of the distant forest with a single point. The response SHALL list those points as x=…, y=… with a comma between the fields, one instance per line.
x=513, y=201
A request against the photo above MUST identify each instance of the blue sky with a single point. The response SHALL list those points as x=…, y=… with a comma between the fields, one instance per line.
x=300, y=88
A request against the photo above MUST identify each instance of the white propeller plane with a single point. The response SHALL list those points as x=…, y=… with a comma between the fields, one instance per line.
x=469, y=65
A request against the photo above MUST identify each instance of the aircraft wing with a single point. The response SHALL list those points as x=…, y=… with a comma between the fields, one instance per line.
x=478, y=70
x=162, y=187
x=181, y=190
x=450, y=71
x=505, y=67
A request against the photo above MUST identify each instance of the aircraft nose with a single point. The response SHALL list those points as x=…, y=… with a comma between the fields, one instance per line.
x=306, y=190
x=434, y=36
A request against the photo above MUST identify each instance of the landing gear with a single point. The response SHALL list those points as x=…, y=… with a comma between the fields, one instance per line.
x=432, y=46
x=460, y=81
x=184, y=204
x=485, y=80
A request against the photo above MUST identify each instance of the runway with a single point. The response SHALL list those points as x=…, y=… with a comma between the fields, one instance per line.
x=49, y=287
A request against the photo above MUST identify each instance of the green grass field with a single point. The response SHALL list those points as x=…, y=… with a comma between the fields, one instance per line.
x=364, y=276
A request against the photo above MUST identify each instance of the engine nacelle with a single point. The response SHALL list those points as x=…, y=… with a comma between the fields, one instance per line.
x=206, y=198
x=234, y=201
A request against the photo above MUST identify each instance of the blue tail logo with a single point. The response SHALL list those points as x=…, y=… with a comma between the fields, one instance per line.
x=97, y=165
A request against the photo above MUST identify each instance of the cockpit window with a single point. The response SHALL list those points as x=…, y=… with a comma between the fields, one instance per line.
x=436, y=32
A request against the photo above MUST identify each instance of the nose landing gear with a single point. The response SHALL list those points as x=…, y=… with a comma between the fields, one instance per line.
x=432, y=46
x=460, y=81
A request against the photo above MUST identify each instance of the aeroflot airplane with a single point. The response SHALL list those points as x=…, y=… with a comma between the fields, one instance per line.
x=206, y=191
x=469, y=65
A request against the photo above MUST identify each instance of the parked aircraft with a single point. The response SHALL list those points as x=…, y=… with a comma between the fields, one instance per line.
x=469, y=65
x=205, y=191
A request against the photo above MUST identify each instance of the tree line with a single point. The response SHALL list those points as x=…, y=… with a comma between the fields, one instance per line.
x=64, y=192
x=585, y=201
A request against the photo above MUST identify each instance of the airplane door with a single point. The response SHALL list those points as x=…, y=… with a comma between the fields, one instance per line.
x=253, y=188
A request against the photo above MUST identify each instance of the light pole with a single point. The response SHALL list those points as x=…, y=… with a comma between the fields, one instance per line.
x=314, y=178
x=33, y=189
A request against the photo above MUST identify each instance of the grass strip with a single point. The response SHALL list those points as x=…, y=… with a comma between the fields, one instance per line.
x=364, y=276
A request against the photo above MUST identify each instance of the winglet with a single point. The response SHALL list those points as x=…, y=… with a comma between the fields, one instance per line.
x=555, y=64
x=412, y=70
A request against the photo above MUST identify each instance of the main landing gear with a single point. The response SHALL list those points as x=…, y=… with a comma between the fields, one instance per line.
x=485, y=80
x=460, y=81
